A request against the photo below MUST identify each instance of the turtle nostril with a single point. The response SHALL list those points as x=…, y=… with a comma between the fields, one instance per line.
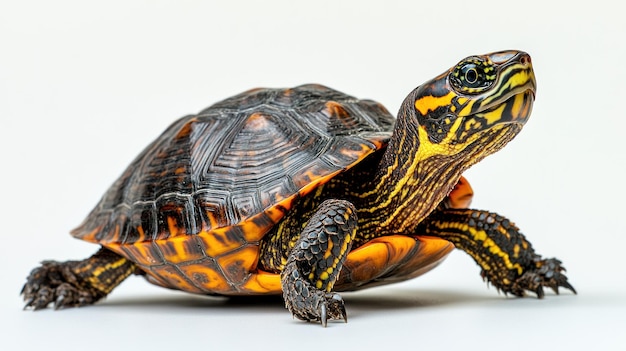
x=525, y=60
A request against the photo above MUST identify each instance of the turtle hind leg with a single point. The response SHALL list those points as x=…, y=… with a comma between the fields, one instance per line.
x=75, y=283
x=314, y=263
x=507, y=259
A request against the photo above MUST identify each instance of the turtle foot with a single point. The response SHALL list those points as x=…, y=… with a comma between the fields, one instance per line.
x=314, y=263
x=545, y=273
x=54, y=282
x=310, y=304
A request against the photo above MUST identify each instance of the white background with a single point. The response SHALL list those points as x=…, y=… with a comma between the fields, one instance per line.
x=85, y=86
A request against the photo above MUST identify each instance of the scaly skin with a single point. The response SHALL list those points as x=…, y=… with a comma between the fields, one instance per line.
x=315, y=262
x=507, y=259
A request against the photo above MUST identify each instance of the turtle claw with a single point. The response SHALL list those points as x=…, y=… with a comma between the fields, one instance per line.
x=344, y=314
x=29, y=303
x=308, y=303
x=546, y=273
x=333, y=306
x=567, y=286
x=58, y=303
x=67, y=295
x=341, y=307
x=330, y=306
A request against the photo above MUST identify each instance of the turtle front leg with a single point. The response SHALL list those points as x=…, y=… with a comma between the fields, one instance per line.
x=507, y=259
x=75, y=283
x=314, y=263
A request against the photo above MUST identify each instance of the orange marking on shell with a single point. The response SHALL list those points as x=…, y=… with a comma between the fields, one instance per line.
x=142, y=253
x=335, y=109
x=174, y=278
x=240, y=263
x=263, y=283
x=309, y=176
x=172, y=226
x=312, y=178
x=154, y=279
x=431, y=246
x=207, y=278
x=180, y=249
x=116, y=234
x=370, y=260
x=356, y=154
x=186, y=129
x=257, y=121
x=276, y=213
x=217, y=242
x=142, y=234
x=431, y=252
x=461, y=195
x=116, y=248
x=252, y=231
x=379, y=142
x=213, y=220
x=316, y=183
x=91, y=236
x=395, y=257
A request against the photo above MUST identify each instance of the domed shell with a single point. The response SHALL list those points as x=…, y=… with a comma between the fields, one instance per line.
x=247, y=157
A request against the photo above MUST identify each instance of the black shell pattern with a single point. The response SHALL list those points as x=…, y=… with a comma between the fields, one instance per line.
x=235, y=159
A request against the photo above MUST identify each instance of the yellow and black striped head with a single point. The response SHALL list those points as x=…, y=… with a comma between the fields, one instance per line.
x=482, y=95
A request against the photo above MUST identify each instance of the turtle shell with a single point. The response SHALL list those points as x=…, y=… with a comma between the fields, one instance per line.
x=191, y=208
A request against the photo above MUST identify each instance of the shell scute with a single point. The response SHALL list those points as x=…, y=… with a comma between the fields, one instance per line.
x=175, y=275
x=143, y=223
x=221, y=240
x=213, y=205
x=238, y=264
x=178, y=251
x=175, y=216
x=145, y=253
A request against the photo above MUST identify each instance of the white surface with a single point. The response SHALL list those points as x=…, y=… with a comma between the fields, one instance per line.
x=84, y=87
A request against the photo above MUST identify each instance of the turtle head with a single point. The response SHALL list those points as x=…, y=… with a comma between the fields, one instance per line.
x=445, y=126
x=475, y=107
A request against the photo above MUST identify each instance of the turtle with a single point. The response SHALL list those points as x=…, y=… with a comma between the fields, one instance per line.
x=308, y=192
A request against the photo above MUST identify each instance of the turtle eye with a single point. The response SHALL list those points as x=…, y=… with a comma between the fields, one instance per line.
x=472, y=77
x=470, y=74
